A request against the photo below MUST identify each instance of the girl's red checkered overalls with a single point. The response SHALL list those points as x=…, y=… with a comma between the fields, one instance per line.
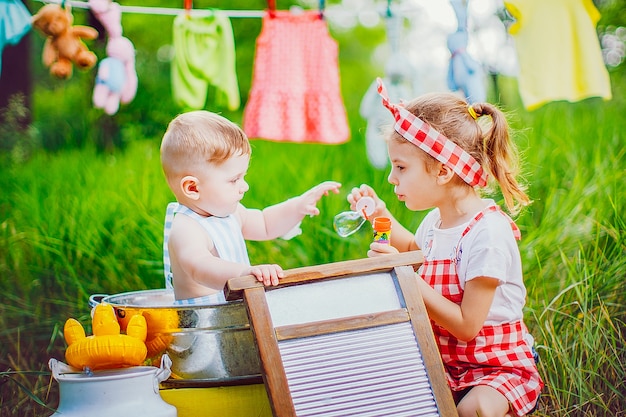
x=498, y=356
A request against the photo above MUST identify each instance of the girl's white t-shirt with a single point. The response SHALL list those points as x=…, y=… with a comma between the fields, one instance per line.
x=489, y=249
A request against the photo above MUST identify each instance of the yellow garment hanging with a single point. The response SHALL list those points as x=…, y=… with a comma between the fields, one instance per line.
x=558, y=51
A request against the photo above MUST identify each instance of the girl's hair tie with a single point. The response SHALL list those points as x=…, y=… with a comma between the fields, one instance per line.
x=472, y=112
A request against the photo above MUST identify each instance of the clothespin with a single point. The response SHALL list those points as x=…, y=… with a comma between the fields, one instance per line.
x=388, y=12
x=322, y=6
x=271, y=6
x=188, y=6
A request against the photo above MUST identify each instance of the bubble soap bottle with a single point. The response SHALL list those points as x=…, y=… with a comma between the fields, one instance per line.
x=382, y=230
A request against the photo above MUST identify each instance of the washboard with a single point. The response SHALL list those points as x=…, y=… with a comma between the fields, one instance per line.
x=348, y=338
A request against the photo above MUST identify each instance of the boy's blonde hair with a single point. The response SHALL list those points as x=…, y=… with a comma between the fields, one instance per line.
x=196, y=138
x=488, y=142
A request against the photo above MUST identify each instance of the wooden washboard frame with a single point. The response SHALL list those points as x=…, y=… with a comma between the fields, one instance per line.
x=347, y=338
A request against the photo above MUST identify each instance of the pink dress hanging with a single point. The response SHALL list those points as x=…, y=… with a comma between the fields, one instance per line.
x=295, y=94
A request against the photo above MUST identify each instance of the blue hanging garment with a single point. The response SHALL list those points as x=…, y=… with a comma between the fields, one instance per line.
x=15, y=22
x=464, y=73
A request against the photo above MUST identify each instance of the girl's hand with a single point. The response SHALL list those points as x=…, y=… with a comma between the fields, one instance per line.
x=380, y=249
x=365, y=190
x=267, y=274
x=308, y=201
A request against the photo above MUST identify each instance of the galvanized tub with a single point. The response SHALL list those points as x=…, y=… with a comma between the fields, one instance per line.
x=211, y=343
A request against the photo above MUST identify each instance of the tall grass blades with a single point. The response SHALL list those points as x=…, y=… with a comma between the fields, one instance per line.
x=575, y=261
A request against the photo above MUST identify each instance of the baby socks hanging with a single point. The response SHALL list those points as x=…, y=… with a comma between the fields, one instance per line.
x=205, y=55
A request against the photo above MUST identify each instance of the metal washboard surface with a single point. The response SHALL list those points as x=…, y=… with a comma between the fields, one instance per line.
x=371, y=372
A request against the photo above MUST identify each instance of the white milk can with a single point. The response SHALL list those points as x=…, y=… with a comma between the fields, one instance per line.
x=126, y=392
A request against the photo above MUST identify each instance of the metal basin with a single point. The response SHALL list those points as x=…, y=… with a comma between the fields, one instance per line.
x=210, y=343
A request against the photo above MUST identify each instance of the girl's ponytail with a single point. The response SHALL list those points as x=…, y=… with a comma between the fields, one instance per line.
x=500, y=158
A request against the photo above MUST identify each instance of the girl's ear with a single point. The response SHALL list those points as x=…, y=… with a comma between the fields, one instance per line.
x=189, y=186
x=445, y=174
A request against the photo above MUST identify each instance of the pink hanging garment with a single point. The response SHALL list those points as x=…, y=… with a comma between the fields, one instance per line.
x=295, y=94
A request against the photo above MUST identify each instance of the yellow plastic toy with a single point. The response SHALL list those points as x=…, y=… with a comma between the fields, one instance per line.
x=106, y=348
x=161, y=323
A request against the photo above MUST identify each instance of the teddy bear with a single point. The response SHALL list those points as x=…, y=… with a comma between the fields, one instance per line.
x=116, y=81
x=64, y=46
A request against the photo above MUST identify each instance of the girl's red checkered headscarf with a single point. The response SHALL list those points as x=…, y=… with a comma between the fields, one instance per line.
x=420, y=134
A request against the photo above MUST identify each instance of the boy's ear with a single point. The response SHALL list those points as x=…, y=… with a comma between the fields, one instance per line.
x=189, y=186
x=445, y=174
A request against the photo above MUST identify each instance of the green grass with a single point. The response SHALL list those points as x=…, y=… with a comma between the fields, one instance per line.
x=93, y=224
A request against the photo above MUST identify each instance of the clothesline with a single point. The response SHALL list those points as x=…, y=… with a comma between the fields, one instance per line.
x=173, y=11
x=167, y=11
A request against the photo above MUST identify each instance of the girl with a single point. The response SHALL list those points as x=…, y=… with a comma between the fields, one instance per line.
x=471, y=279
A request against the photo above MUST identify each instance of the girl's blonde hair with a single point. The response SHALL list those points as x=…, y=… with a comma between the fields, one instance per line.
x=489, y=142
x=199, y=137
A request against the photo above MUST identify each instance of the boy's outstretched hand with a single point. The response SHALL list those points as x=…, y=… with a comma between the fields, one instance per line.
x=308, y=200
